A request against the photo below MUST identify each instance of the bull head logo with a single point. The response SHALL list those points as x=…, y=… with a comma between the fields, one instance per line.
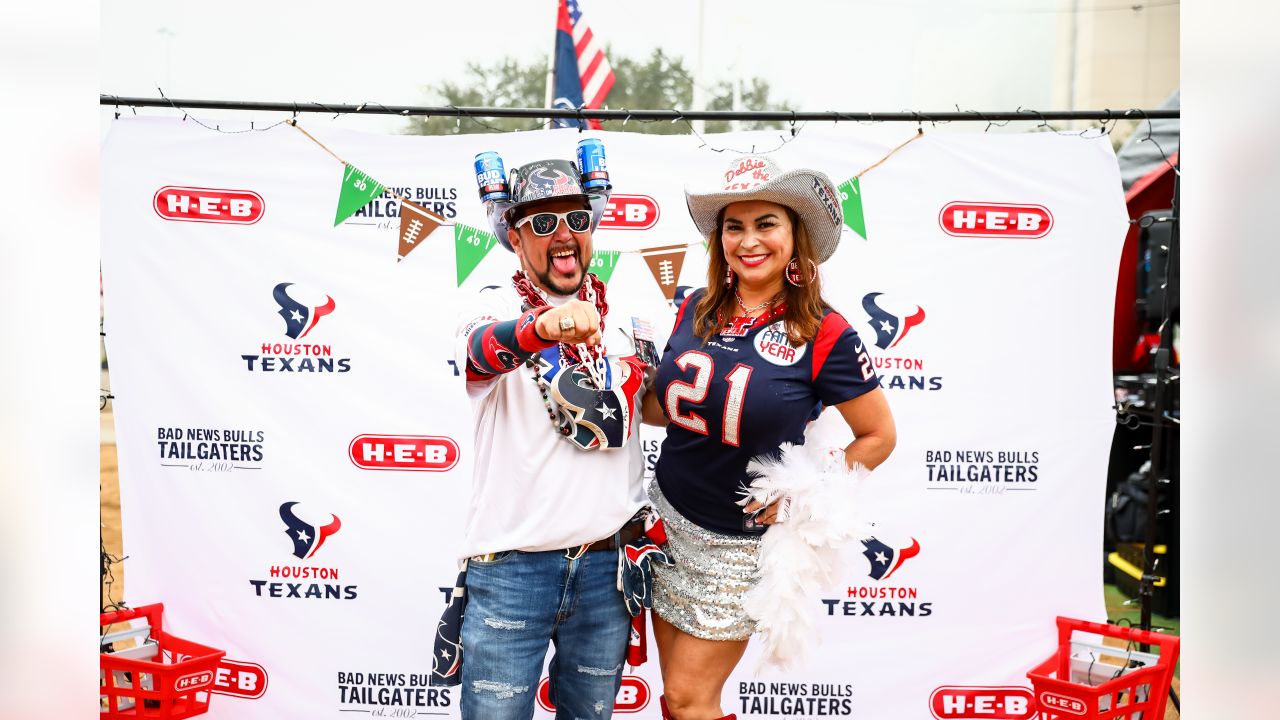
x=306, y=538
x=299, y=318
x=886, y=560
x=890, y=329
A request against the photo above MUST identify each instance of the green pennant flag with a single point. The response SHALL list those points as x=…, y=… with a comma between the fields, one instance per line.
x=471, y=246
x=851, y=201
x=357, y=190
x=602, y=264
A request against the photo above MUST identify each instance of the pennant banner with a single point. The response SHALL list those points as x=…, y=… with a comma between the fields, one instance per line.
x=851, y=201
x=665, y=263
x=471, y=247
x=415, y=225
x=603, y=262
x=357, y=190
x=309, y=428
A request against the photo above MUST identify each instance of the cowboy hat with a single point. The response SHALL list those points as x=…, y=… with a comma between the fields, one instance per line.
x=809, y=193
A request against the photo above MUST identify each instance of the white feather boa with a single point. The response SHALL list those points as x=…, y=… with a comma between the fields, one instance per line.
x=800, y=556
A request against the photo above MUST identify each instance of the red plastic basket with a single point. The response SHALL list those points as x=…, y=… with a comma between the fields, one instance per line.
x=1088, y=681
x=175, y=684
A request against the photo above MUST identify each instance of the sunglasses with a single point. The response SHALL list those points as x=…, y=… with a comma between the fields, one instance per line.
x=545, y=223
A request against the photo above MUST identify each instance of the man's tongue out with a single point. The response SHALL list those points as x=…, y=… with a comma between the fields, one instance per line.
x=565, y=264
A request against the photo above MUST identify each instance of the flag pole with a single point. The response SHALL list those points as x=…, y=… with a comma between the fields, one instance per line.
x=699, y=96
x=551, y=58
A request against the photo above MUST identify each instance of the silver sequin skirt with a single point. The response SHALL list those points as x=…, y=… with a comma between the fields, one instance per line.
x=702, y=592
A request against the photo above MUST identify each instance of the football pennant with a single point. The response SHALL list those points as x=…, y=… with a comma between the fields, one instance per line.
x=357, y=190
x=602, y=264
x=851, y=201
x=665, y=263
x=415, y=225
x=471, y=245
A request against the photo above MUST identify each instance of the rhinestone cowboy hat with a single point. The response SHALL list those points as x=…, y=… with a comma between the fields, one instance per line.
x=544, y=180
x=809, y=193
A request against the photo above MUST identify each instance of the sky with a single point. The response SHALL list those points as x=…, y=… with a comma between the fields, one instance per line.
x=858, y=55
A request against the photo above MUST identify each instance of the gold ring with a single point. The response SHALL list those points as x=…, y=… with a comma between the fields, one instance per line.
x=567, y=324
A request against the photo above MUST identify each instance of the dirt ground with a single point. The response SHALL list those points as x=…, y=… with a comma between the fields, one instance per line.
x=113, y=581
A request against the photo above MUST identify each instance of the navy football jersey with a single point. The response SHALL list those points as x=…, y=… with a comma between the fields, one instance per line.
x=736, y=397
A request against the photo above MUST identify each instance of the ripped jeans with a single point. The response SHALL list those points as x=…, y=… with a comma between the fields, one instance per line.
x=517, y=603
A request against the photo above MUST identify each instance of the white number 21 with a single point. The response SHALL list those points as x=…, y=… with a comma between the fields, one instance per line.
x=696, y=392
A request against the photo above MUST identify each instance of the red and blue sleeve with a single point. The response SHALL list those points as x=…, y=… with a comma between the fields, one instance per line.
x=499, y=347
x=842, y=369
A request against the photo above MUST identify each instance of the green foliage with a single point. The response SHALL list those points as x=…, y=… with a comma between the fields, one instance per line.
x=755, y=96
x=506, y=83
x=658, y=82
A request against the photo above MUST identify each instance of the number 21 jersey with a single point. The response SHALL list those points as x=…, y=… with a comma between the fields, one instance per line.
x=733, y=398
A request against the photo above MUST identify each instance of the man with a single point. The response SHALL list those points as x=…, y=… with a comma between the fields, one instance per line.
x=556, y=391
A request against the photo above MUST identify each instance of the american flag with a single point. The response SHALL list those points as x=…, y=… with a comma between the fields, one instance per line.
x=582, y=74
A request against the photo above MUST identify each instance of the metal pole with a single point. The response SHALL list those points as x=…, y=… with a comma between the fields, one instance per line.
x=551, y=59
x=1075, y=31
x=699, y=95
x=607, y=114
x=168, y=36
x=1160, y=425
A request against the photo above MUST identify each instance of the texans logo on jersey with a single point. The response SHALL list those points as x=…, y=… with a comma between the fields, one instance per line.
x=597, y=418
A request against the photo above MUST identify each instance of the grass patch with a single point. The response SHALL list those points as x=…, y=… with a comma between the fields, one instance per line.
x=1118, y=613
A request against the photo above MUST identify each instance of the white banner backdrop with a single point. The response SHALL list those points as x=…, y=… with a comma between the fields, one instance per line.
x=985, y=284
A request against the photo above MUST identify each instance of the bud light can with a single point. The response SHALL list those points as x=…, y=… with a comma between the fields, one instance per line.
x=491, y=176
x=595, y=173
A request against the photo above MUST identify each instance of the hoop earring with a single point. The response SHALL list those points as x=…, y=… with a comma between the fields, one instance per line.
x=793, y=273
x=728, y=276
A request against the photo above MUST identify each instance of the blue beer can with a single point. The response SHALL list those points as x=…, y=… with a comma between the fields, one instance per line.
x=491, y=177
x=595, y=172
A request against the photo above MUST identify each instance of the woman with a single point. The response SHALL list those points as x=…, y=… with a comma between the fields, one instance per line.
x=750, y=360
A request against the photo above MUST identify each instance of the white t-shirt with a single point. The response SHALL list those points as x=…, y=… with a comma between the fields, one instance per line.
x=533, y=489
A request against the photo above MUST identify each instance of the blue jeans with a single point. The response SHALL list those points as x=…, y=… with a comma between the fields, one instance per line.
x=517, y=603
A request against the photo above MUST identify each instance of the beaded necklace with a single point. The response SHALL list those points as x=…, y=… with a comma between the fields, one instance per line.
x=592, y=291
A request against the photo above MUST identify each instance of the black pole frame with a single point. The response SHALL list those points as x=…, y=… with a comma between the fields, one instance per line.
x=1163, y=355
x=1161, y=424
x=625, y=114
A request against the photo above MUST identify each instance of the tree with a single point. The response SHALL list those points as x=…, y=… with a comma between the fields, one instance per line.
x=658, y=82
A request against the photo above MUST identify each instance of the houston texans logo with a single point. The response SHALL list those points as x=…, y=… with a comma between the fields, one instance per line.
x=306, y=538
x=446, y=655
x=298, y=318
x=560, y=183
x=884, y=559
x=598, y=414
x=506, y=358
x=597, y=417
x=890, y=329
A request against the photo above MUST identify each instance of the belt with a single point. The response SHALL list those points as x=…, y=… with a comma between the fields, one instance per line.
x=632, y=530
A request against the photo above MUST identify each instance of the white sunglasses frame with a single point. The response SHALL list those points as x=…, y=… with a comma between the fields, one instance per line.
x=561, y=217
